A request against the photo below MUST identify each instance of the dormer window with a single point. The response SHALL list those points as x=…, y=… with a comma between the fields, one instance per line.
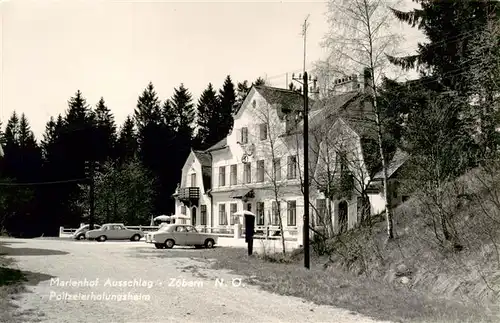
x=244, y=135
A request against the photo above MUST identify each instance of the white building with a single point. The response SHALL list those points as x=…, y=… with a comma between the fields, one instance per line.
x=258, y=166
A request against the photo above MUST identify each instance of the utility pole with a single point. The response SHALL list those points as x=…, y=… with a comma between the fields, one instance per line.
x=306, y=173
x=304, y=33
x=305, y=92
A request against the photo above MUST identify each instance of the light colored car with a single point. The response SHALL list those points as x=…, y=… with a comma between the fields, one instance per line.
x=80, y=233
x=114, y=231
x=180, y=234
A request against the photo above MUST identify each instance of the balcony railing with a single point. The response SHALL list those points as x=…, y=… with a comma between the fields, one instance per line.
x=189, y=193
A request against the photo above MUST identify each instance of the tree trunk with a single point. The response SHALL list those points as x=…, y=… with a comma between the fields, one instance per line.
x=388, y=210
x=280, y=222
x=329, y=221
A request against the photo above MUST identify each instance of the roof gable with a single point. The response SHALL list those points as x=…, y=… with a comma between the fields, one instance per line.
x=204, y=158
x=399, y=159
x=287, y=99
x=220, y=145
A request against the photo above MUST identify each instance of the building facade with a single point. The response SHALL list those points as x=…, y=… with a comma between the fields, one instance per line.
x=258, y=166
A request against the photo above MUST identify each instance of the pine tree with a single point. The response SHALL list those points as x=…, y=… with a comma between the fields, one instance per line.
x=21, y=164
x=12, y=130
x=78, y=115
x=449, y=26
x=148, y=109
x=241, y=93
x=127, y=141
x=183, y=107
x=105, y=132
x=208, y=118
x=227, y=97
x=259, y=82
x=26, y=136
x=455, y=59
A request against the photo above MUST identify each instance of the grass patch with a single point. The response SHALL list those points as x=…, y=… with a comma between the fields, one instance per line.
x=286, y=276
x=11, y=284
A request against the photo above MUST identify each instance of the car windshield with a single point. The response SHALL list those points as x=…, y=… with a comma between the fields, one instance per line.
x=165, y=227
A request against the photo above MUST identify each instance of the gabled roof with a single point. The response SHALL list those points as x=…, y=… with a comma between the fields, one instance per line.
x=273, y=95
x=399, y=158
x=348, y=106
x=220, y=145
x=204, y=158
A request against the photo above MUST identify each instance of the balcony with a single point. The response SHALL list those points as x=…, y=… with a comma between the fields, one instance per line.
x=188, y=194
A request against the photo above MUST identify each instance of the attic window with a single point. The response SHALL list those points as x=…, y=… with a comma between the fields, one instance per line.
x=254, y=104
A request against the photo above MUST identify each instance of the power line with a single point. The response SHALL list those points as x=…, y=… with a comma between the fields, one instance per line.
x=43, y=183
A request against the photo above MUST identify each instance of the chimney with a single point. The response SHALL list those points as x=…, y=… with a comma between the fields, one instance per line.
x=314, y=90
x=346, y=84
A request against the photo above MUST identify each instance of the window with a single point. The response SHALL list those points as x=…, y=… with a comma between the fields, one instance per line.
x=291, y=213
x=260, y=213
x=260, y=171
x=222, y=176
x=203, y=214
x=222, y=214
x=249, y=207
x=233, y=177
x=292, y=167
x=277, y=168
x=180, y=229
x=183, y=209
x=263, y=131
x=321, y=208
x=275, y=214
x=193, y=180
x=247, y=173
x=244, y=135
x=233, y=208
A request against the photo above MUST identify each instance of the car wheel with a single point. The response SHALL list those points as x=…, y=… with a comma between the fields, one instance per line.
x=81, y=237
x=101, y=238
x=136, y=237
x=209, y=243
x=159, y=246
x=169, y=244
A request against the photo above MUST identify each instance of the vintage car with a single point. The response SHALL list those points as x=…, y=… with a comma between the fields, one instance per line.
x=80, y=233
x=180, y=234
x=114, y=231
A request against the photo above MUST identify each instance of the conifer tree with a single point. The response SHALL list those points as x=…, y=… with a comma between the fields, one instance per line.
x=227, y=98
x=209, y=118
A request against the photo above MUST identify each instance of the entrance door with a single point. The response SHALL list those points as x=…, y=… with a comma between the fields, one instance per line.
x=342, y=217
x=193, y=217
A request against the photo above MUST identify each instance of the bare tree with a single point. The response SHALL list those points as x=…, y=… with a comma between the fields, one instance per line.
x=342, y=167
x=271, y=149
x=360, y=38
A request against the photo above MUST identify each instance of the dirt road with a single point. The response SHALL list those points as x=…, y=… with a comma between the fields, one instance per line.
x=133, y=282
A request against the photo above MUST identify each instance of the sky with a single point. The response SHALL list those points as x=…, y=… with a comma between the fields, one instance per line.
x=113, y=49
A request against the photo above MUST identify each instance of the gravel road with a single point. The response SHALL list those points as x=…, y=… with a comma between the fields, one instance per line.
x=133, y=282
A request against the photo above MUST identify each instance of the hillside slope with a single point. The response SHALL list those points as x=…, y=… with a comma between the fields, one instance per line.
x=466, y=268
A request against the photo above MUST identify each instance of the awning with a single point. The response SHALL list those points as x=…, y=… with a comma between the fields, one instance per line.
x=239, y=194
